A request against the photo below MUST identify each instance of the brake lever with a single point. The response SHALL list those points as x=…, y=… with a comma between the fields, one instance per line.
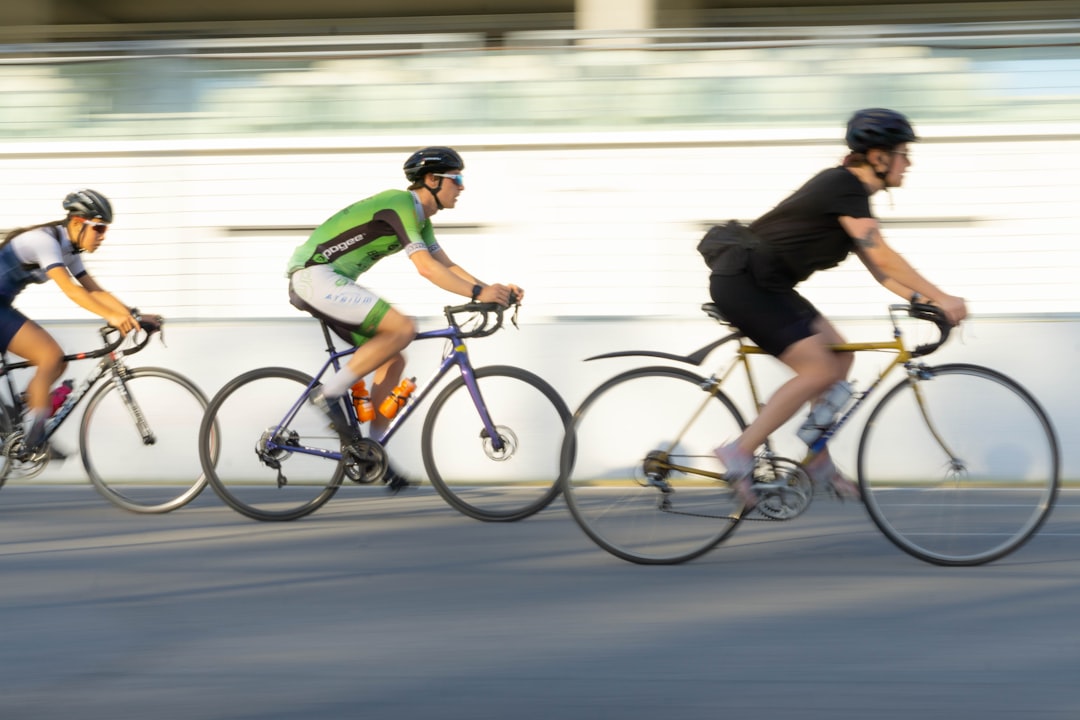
x=513, y=300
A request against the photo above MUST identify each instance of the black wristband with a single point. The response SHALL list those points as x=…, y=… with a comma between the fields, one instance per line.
x=915, y=297
x=476, y=290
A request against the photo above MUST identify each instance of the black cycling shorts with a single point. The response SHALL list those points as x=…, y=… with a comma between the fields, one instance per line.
x=774, y=319
x=11, y=321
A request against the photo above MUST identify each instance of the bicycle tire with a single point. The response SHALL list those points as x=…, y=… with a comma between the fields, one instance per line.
x=7, y=425
x=140, y=476
x=247, y=412
x=464, y=467
x=628, y=424
x=980, y=499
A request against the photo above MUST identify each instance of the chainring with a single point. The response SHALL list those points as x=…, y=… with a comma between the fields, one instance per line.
x=365, y=461
x=18, y=464
x=788, y=490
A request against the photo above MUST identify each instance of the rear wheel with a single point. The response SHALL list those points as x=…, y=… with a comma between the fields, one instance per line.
x=640, y=477
x=268, y=459
x=7, y=426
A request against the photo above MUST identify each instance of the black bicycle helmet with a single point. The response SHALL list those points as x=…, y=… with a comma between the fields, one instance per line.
x=89, y=204
x=878, y=128
x=432, y=160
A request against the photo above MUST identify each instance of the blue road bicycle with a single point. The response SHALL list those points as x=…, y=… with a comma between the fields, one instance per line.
x=491, y=438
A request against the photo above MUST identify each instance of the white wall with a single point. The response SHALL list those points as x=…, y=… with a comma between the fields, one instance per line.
x=600, y=230
x=1038, y=353
x=591, y=225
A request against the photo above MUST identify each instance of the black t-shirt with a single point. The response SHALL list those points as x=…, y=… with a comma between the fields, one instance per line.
x=803, y=233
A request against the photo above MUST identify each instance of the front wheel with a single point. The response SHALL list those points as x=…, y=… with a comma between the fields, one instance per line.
x=640, y=477
x=502, y=476
x=139, y=440
x=958, y=465
x=272, y=456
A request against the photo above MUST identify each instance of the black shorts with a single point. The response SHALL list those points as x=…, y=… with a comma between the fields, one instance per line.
x=774, y=319
x=11, y=321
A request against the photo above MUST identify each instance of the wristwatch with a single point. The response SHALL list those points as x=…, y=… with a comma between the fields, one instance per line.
x=476, y=290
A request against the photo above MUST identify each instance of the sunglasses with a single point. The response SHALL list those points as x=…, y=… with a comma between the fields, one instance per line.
x=458, y=179
x=98, y=227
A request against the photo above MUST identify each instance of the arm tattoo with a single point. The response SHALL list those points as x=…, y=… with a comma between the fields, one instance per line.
x=869, y=240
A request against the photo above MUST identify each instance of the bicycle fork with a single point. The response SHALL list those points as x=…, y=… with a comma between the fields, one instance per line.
x=120, y=374
x=915, y=374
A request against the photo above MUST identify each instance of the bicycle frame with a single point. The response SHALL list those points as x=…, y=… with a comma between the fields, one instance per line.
x=902, y=357
x=457, y=356
x=110, y=360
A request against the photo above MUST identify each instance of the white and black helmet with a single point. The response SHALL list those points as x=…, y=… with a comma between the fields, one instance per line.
x=89, y=204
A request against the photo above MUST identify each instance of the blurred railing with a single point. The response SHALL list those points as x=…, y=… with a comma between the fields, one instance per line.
x=594, y=160
x=536, y=81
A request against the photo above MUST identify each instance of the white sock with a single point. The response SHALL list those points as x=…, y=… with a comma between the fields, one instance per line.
x=340, y=383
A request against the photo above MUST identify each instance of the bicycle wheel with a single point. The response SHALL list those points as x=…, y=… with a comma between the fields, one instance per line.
x=152, y=473
x=256, y=472
x=640, y=477
x=958, y=465
x=461, y=460
x=7, y=425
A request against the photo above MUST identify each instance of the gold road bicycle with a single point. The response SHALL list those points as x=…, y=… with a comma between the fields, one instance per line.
x=957, y=464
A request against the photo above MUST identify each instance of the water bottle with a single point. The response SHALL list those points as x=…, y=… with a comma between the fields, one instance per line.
x=59, y=395
x=821, y=415
x=362, y=402
x=397, y=398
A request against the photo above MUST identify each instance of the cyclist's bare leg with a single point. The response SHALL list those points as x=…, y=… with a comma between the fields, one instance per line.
x=386, y=379
x=39, y=348
x=382, y=355
x=816, y=369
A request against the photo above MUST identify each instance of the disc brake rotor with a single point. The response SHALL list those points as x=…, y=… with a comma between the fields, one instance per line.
x=509, y=444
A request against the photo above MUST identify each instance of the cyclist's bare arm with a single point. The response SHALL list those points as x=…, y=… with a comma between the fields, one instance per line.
x=893, y=272
x=519, y=292
x=439, y=269
x=100, y=294
x=94, y=300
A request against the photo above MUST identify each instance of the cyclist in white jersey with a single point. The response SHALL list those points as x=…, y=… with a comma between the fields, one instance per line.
x=51, y=251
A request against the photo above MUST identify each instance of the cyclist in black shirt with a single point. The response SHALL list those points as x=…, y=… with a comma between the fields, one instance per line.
x=815, y=229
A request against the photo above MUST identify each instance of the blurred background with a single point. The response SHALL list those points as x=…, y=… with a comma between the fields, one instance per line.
x=601, y=137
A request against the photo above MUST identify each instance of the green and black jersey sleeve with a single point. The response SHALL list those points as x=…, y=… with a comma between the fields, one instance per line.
x=357, y=237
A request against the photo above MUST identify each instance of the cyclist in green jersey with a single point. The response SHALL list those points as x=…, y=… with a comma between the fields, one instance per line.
x=323, y=273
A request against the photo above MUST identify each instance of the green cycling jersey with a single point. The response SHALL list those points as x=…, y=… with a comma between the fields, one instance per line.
x=358, y=236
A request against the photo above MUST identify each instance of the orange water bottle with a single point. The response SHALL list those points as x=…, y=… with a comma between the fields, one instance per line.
x=397, y=398
x=362, y=402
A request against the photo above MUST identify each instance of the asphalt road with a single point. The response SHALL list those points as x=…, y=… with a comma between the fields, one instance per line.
x=397, y=607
